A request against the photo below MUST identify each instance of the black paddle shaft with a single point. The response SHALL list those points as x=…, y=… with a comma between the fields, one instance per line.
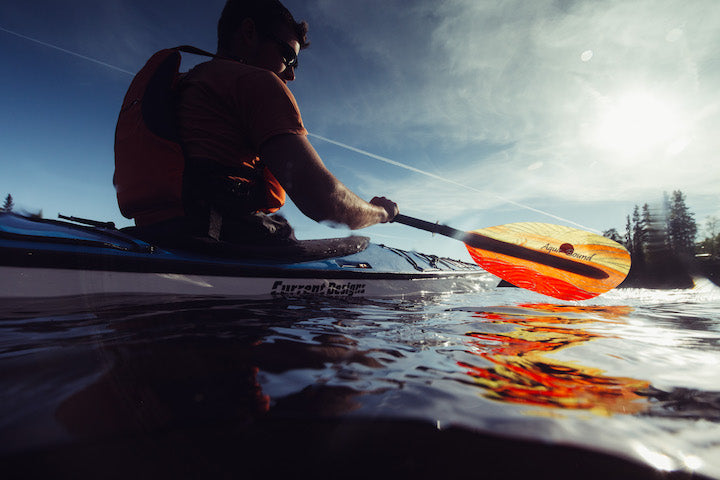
x=505, y=248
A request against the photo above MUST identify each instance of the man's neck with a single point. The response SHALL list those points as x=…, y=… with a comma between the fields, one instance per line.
x=231, y=55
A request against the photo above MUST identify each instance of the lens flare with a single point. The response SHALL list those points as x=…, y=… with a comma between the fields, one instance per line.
x=638, y=123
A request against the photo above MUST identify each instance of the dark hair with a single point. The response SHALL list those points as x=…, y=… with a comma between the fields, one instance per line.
x=267, y=15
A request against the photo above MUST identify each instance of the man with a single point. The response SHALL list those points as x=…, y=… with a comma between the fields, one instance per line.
x=244, y=141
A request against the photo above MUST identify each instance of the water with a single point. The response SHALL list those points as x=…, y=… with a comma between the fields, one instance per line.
x=503, y=383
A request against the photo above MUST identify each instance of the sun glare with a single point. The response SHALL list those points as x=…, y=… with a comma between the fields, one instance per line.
x=637, y=123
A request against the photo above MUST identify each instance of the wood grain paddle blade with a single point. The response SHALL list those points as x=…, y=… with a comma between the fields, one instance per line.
x=574, y=248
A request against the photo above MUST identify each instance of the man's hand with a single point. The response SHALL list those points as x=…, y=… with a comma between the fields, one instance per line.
x=390, y=207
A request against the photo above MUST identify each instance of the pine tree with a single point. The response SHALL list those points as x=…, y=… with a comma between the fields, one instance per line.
x=682, y=228
x=654, y=223
x=653, y=231
x=647, y=220
x=666, y=206
x=9, y=204
x=638, y=238
x=629, y=235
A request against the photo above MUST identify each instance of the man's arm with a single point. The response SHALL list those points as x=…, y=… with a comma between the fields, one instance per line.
x=316, y=191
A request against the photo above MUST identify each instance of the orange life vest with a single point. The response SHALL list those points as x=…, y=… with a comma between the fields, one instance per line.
x=150, y=167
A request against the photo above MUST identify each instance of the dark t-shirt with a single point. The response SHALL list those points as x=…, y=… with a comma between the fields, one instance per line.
x=228, y=109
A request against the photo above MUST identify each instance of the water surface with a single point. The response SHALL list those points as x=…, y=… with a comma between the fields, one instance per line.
x=506, y=382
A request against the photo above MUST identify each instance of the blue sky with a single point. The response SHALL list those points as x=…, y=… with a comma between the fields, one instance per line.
x=557, y=111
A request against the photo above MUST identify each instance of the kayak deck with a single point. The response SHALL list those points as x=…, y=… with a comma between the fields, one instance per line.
x=40, y=258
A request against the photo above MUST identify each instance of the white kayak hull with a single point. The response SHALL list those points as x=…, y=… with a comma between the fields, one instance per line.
x=17, y=282
x=40, y=258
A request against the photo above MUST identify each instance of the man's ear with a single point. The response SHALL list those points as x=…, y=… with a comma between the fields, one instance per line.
x=247, y=32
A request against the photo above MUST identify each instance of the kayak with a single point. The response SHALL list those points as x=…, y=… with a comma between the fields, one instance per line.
x=52, y=258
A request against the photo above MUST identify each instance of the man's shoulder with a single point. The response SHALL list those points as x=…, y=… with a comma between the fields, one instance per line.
x=231, y=78
x=221, y=68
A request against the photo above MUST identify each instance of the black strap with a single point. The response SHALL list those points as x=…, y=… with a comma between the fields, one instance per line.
x=198, y=51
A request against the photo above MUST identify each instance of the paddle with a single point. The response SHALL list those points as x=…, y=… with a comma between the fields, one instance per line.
x=554, y=260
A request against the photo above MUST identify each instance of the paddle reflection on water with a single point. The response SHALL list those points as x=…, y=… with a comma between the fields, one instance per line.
x=523, y=371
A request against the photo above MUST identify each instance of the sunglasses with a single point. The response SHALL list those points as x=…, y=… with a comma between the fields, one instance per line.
x=287, y=53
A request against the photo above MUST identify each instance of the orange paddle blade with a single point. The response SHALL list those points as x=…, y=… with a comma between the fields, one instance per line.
x=588, y=264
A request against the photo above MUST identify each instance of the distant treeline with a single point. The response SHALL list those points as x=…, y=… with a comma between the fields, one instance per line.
x=663, y=247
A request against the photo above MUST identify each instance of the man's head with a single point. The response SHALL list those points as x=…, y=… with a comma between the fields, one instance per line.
x=262, y=33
